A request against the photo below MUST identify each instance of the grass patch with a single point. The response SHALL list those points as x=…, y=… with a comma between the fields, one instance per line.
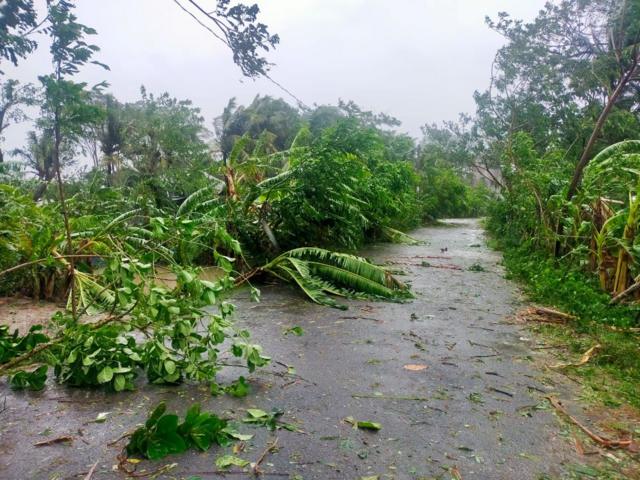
x=612, y=377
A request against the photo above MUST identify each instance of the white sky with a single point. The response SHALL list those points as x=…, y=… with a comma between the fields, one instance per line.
x=419, y=60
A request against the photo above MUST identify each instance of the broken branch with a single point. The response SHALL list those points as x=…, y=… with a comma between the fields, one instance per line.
x=605, y=442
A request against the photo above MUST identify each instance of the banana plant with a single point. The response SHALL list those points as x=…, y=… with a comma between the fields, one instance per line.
x=625, y=256
x=602, y=238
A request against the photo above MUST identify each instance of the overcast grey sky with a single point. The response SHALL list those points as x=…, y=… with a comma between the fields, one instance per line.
x=419, y=60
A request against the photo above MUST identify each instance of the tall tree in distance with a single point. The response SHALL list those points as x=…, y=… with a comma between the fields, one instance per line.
x=38, y=158
x=265, y=126
x=17, y=20
x=13, y=96
x=273, y=115
x=577, y=57
x=67, y=107
x=159, y=132
x=110, y=137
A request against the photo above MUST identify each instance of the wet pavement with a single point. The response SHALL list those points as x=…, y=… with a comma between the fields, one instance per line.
x=452, y=382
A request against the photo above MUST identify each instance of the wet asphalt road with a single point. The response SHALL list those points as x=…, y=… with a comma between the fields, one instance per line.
x=450, y=380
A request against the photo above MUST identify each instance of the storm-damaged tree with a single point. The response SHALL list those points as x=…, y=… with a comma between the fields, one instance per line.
x=266, y=126
x=237, y=26
x=561, y=79
x=453, y=144
x=575, y=53
x=13, y=96
x=67, y=109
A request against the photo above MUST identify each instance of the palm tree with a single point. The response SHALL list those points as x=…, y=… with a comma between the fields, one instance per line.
x=38, y=157
x=110, y=137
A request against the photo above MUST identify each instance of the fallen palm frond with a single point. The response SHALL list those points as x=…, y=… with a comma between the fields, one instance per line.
x=90, y=295
x=320, y=273
x=396, y=236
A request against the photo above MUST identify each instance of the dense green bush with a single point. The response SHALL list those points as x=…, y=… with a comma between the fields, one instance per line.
x=339, y=190
x=572, y=290
x=567, y=287
x=444, y=194
x=29, y=233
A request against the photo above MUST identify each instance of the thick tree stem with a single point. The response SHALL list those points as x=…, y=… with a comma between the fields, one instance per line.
x=231, y=184
x=42, y=260
x=586, y=154
x=63, y=204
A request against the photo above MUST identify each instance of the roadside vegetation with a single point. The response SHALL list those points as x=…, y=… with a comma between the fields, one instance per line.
x=558, y=136
x=141, y=220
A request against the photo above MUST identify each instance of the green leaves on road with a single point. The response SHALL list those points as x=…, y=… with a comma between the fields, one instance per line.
x=363, y=425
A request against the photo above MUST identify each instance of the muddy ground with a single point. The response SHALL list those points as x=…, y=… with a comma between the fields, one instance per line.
x=450, y=378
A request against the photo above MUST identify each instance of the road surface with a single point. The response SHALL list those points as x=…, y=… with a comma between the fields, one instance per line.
x=448, y=377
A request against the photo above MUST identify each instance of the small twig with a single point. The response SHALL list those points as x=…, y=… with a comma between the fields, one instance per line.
x=482, y=328
x=224, y=473
x=551, y=311
x=389, y=397
x=245, y=277
x=282, y=364
x=503, y=392
x=360, y=318
x=70, y=400
x=550, y=347
x=53, y=441
x=270, y=448
x=476, y=344
x=121, y=437
x=122, y=461
x=533, y=387
x=91, y=470
x=292, y=382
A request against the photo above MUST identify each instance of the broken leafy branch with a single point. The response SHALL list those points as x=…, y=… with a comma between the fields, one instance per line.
x=163, y=434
